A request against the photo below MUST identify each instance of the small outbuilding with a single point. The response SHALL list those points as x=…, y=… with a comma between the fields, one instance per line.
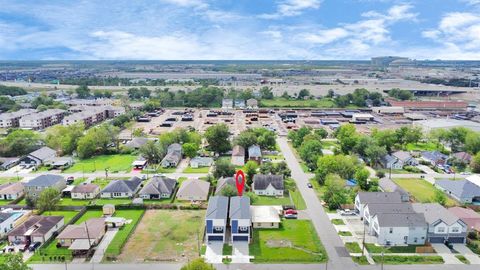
x=108, y=209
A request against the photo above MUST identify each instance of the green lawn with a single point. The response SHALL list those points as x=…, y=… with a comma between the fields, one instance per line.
x=227, y=249
x=462, y=259
x=393, y=259
x=114, y=163
x=68, y=215
x=5, y=202
x=113, y=201
x=72, y=202
x=361, y=260
x=372, y=248
x=122, y=235
x=50, y=253
x=420, y=189
x=353, y=247
x=4, y=180
x=298, y=199
x=269, y=200
x=196, y=170
x=294, y=103
x=90, y=214
x=337, y=221
x=424, y=146
x=296, y=241
x=273, y=157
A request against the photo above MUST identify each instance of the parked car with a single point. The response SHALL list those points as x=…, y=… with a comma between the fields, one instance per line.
x=24, y=248
x=290, y=216
x=287, y=207
x=70, y=180
x=34, y=246
x=290, y=212
x=309, y=185
x=347, y=212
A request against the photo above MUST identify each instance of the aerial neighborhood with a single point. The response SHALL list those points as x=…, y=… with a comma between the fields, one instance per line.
x=335, y=173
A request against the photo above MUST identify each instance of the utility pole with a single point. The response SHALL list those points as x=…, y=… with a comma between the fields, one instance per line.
x=363, y=240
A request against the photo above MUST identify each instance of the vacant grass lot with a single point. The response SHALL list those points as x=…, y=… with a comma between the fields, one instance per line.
x=294, y=103
x=196, y=170
x=165, y=235
x=296, y=241
x=294, y=198
x=68, y=215
x=421, y=190
x=115, y=247
x=372, y=248
x=424, y=146
x=393, y=259
x=114, y=163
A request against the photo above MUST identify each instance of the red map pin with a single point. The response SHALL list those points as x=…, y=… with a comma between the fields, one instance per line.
x=240, y=181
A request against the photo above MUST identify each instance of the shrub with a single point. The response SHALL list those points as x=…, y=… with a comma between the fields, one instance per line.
x=380, y=174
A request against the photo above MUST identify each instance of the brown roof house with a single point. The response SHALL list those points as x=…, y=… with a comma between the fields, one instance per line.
x=238, y=155
x=36, y=229
x=82, y=237
x=193, y=190
x=85, y=191
x=11, y=191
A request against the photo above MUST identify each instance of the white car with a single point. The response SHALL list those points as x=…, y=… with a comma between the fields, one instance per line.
x=347, y=212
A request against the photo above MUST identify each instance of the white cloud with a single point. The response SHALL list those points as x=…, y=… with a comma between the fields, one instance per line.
x=289, y=8
x=325, y=36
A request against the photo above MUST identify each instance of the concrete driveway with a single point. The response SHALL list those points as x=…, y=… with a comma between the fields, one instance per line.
x=465, y=251
x=240, y=252
x=214, y=252
x=100, y=251
x=446, y=254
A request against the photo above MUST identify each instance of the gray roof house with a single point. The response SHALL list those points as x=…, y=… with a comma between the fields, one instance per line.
x=442, y=224
x=173, y=156
x=400, y=229
x=158, y=187
x=434, y=157
x=38, y=157
x=372, y=209
x=201, y=162
x=255, y=153
x=216, y=219
x=364, y=198
x=34, y=187
x=463, y=191
x=240, y=218
x=193, y=190
x=138, y=142
x=405, y=158
x=121, y=188
x=389, y=161
x=269, y=185
x=226, y=181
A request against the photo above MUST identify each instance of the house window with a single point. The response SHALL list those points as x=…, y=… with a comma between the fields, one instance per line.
x=391, y=230
x=415, y=240
x=455, y=230
x=441, y=229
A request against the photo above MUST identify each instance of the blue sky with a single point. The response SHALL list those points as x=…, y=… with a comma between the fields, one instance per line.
x=241, y=29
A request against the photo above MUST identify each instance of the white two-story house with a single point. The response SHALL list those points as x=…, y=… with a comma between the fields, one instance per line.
x=364, y=198
x=398, y=229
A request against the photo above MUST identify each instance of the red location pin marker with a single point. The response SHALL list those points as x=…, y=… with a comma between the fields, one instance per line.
x=240, y=181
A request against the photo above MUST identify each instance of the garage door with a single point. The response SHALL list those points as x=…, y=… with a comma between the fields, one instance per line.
x=215, y=238
x=240, y=238
x=456, y=240
x=436, y=240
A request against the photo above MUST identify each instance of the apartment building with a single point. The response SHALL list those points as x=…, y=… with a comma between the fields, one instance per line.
x=12, y=119
x=42, y=120
x=91, y=115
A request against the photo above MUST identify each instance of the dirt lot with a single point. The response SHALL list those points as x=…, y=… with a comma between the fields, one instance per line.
x=165, y=235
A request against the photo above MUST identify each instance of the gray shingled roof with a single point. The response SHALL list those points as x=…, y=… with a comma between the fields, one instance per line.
x=401, y=220
x=460, y=188
x=159, y=185
x=5, y=216
x=434, y=212
x=238, y=151
x=125, y=186
x=217, y=208
x=137, y=142
x=40, y=224
x=43, y=153
x=254, y=151
x=45, y=180
x=240, y=207
x=389, y=208
x=226, y=181
x=261, y=181
x=379, y=197
x=402, y=155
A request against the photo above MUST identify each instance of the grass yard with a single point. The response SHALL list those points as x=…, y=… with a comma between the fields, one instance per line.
x=90, y=214
x=353, y=247
x=372, y=248
x=298, y=200
x=196, y=170
x=4, y=180
x=72, y=202
x=5, y=202
x=115, y=247
x=361, y=260
x=268, y=200
x=462, y=259
x=421, y=190
x=114, y=163
x=68, y=215
x=394, y=259
x=422, y=146
x=113, y=201
x=337, y=221
x=296, y=241
x=300, y=103
x=50, y=253
x=165, y=235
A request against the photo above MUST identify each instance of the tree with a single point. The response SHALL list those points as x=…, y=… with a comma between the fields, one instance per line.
x=362, y=176
x=97, y=93
x=266, y=92
x=323, y=133
x=374, y=153
x=198, y=264
x=19, y=142
x=246, y=139
x=86, y=147
x=64, y=139
x=266, y=168
x=344, y=166
x=335, y=194
x=83, y=91
x=440, y=197
x=281, y=168
x=385, y=138
x=190, y=149
x=14, y=262
x=347, y=135
x=472, y=142
x=250, y=170
x=223, y=168
x=229, y=191
x=456, y=137
x=217, y=138
x=48, y=200
x=475, y=163
x=310, y=151
x=297, y=136
x=153, y=152
x=303, y=93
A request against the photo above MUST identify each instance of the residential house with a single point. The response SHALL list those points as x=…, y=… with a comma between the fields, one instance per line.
x=387, y=185
x=11, y=191
x=85, y=191
x=121, y=188
x=442, y=224
x=268, y=185
x=252, y=103
x=398, y=229
x=463, y=191
x=372, y=209
x=193, y=190
x=255, y=153
x=173, y=156
x=36, y=229
x=364, y=198
x=469, y=216
x=42, y=120
x=390, y=162
x=238, y=155
x=9, y=219
x=138, y=142
x=197, y=162
x=8, y=162
x=405, y=158
x=34, y=187
x=226, y=181
x=39, y=157
x=265, y=216
x=434, y=157
x=216, y=219
x=159, y=187
x=240, y=103
x=463, y=157
x=82, y=237
x=227, y=103
x=240, y=219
